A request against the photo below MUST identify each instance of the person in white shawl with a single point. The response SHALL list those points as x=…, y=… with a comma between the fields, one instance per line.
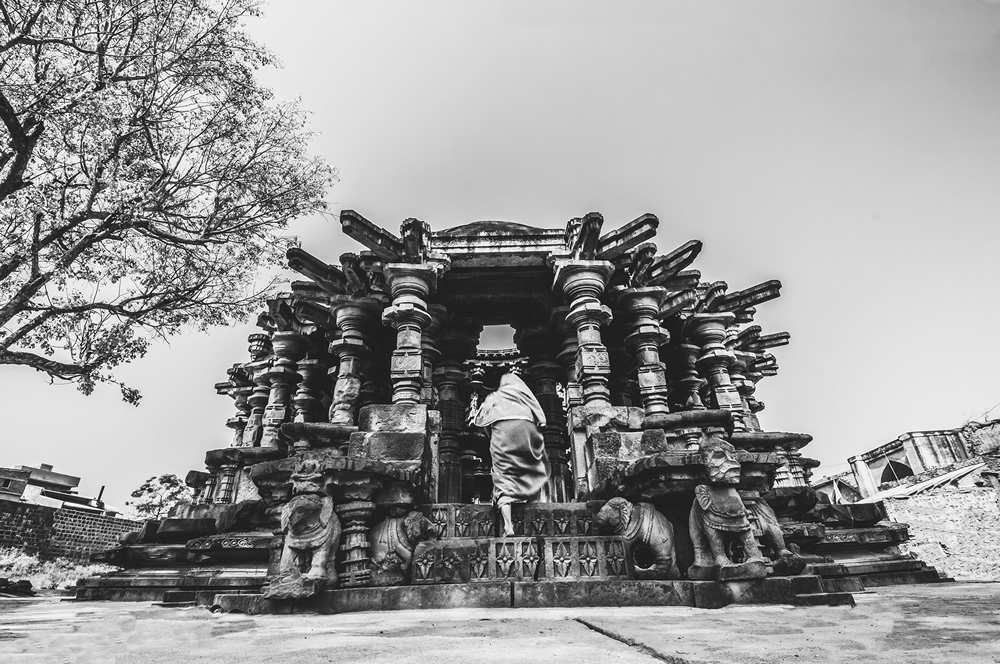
x=513, y=416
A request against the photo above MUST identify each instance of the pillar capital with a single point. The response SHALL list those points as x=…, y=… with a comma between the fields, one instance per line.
x=580, y=278
x=417, y=280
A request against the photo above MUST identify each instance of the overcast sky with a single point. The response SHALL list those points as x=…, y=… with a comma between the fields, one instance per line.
x=849, y=149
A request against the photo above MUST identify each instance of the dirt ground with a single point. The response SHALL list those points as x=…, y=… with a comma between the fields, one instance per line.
x=957, y=622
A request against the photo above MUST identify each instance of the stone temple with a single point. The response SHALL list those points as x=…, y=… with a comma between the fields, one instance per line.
x=356, y=481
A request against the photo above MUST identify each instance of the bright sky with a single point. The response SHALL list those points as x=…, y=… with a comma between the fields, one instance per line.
x=849, y=149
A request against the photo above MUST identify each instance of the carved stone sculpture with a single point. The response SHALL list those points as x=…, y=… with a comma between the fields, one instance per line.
x=650, y=536
x=787, y=561
x=392, y=543
x=312, y=534
x=724, y=544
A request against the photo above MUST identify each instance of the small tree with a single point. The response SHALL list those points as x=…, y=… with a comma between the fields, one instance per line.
x=145, y=178
x=157, y=495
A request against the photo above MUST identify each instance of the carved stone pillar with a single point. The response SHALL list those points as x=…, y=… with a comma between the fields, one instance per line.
x=583, y=282
x=687, y=385
x=567, y=357
x=746, y=387
x=792, y=472
x=410, y=285
x=543, y=374
x=709, y=332
x=289, y=348
x=238, y=424
x=450, y=378
x=430, y=354
x=307, y=402
x=354, y=513
x=238, y=387
x=258, y=398
x=355, y=318
x=641, y=307
x=457, y=343
x=621, y=383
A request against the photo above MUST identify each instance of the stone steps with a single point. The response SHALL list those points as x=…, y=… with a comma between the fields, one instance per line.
x=527, y=594
x=824, y=599
x=870, y=573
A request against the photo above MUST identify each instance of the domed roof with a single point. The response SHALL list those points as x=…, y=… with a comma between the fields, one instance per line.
x=490, y=228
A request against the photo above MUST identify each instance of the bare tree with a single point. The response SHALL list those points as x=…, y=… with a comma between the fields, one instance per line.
x=145, y=178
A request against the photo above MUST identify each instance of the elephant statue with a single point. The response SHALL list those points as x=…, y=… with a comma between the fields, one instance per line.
x=391, y=545
x=787, y=561
x=724, y=544
x=311, y=536
x=649, y=535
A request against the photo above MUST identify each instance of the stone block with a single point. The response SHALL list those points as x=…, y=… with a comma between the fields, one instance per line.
x=181, y=530
x=457, y=560
x=608, y=467
x=230, y=548
x=606, y=443
x=580, y=558
x=551, y=519
x=654, y=441
x=155, y=555
x=491, y=595
x=631, y=446
x=147, y=534
x=461, y=520
x=393, y=417
x=610, y=592
x=388, y=445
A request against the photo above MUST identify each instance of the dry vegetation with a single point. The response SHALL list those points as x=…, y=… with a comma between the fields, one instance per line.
x=48, y=574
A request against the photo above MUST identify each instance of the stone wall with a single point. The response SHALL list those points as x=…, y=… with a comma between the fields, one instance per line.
x=49, y=532
x=25, y=526
x=955, y=530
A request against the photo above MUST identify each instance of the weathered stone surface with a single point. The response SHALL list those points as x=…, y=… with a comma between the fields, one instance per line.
x=181, y=530
x=956, y=531
x=852, y=515
x=230, y=548
x=603, y=593
x=585, y=557
x=648, y=534
x=393, y=417
x=292, y=585
x=457, y=560
x=388, y=446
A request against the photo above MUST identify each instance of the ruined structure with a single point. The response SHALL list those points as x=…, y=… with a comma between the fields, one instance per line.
x=356, y=481
x=943, y=484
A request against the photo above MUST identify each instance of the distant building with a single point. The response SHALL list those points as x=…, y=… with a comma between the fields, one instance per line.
x=945, y=484
x=44, y=486
x=918, y=461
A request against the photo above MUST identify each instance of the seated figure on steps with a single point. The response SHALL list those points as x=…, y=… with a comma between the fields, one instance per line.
x=513, y=416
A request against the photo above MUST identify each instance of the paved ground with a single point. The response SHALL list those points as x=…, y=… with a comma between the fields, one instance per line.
x=931, y=623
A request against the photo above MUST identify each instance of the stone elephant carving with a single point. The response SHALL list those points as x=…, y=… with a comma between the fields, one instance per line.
x=648, y=533
x=391, y=545
x=787, y=559
x=721, y=533
x=311, y=537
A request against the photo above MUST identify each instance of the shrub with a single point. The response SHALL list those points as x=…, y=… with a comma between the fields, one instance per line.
x=46, y=574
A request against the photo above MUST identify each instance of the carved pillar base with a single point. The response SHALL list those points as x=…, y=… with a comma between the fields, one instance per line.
x=355, y=570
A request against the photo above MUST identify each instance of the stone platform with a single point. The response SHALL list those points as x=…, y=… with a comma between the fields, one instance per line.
x=155, y=585
x=799, y=590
